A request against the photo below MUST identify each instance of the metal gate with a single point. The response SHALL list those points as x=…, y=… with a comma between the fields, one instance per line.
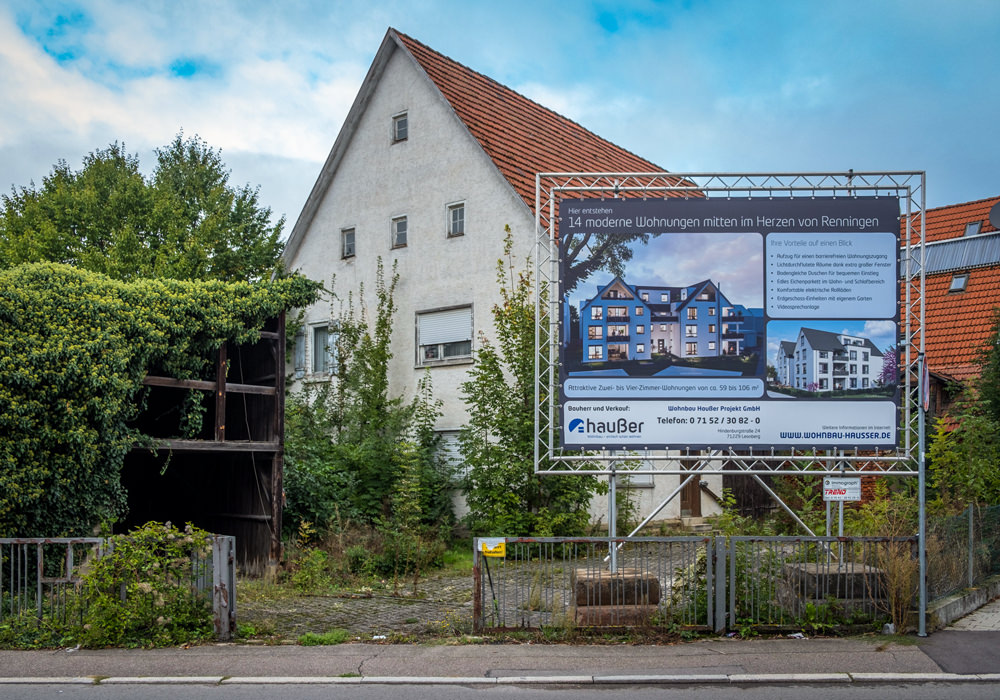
x=41, y=577
x=710, y=583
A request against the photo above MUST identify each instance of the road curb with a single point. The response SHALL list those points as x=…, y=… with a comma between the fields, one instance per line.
x=633, y=679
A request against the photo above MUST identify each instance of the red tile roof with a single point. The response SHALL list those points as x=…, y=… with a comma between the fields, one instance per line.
x=949, y=222
x=957, y=324
x=520, y=136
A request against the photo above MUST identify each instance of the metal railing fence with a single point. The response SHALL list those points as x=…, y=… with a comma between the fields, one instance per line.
x=962, y=550
x=42, y=578
x=696, y=583
x=540, y=582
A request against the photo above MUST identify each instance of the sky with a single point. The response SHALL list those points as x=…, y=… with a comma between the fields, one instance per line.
x=707, y=86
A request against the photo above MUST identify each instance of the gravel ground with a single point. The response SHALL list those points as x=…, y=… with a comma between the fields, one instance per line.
x=442, y=606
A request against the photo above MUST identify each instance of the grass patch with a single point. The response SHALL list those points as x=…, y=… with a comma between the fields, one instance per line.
x=334, y=636
x=458, y=559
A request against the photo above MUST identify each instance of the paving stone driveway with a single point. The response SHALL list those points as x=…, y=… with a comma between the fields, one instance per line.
x=443, y=606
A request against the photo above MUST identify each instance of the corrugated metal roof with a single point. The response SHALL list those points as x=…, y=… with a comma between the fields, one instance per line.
x=962, y=253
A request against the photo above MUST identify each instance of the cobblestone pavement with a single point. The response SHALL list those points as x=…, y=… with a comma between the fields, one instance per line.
x=986, y=619
x=443, y=604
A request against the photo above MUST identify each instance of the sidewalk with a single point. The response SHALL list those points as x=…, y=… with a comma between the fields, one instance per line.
x=707, y=661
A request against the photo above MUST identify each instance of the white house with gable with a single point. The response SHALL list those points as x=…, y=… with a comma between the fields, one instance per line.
x=432, y=162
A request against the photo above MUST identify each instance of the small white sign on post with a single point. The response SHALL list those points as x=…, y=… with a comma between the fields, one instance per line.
x=838, y=488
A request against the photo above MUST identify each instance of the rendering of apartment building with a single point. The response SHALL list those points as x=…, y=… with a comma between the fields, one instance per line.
x=622, y=322
x=824, y=361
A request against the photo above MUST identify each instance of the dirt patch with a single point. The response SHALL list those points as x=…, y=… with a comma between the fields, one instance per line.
x=442, y=606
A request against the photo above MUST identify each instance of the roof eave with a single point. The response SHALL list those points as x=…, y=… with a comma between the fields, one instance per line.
x=389, y=43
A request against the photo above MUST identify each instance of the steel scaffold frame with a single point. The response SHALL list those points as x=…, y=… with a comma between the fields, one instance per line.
x=910, y=187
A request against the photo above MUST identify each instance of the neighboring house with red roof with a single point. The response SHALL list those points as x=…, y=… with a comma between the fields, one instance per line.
x=962, y=290
x=432, y=162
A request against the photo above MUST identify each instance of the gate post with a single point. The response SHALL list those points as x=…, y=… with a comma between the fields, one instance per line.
x=720, y=583
x=477, y=588
x=224, y=586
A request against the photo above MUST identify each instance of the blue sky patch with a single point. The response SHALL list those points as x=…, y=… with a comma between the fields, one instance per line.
x=190, y=67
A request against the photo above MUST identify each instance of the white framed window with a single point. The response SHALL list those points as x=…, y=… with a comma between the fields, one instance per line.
x=664, y=297
x=595, y=332
x=347, y=242
x=456, y=220
x=711, y=311
x=450, y=453
x=640, y=330
x=639, y=311
x=691, y=331
x=595, y=352
x=711, y=345
x=400, y=127
x=399, y=232
x=596, y=313
x=444, y=335
x=640, y=347
x=645, y=296
x=690, y=348
x=300, y=354
x=324, y=349
x=711, y=328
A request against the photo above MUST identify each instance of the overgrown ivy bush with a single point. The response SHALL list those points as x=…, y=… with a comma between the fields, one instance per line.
x=155, y=567
x=74, y=348
x=142, y=592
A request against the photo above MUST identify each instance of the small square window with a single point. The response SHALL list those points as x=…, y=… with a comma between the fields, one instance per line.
x=456, y=220
x=973, y=228
x=347, y=243
x=399, y=232
x=400, y=127
x=959, y=282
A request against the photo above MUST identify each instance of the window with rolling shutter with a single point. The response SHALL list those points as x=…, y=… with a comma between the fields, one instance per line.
x=444, y=335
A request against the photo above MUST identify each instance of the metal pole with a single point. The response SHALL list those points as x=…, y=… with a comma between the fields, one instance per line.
x=972, y=561
x=840, y=523
x=921, y=487
x=612, y=520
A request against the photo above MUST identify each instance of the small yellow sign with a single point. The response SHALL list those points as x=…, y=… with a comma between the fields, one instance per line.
x=493, y=546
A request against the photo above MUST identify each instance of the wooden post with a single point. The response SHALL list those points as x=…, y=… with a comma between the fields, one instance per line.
x=220, y=396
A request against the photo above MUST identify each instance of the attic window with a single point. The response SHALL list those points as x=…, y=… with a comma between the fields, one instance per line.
x=400, y=127
x=973, y=228
x=959, y=282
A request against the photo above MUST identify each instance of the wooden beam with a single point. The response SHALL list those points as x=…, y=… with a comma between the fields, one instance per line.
x=242, y=446
x=209, y=386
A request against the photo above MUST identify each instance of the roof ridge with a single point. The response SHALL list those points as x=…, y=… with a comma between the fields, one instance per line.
x=537, y=104
x=521, y=136
x=963, y=204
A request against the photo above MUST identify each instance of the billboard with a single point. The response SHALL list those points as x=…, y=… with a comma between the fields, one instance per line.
x=729, y=323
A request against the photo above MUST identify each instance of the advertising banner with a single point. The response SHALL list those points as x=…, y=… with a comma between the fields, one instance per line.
x=841, y=488
x=729, y=323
